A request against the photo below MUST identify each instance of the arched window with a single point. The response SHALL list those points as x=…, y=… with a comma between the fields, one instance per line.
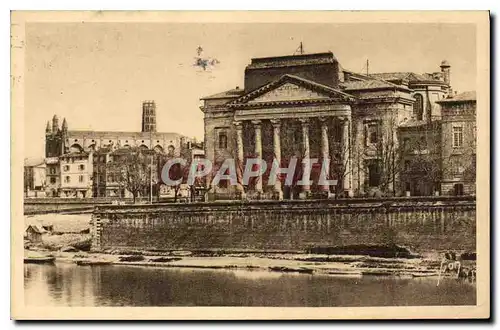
x=418, y=107
x=171, y=150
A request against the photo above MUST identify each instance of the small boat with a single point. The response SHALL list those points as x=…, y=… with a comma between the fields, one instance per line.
x=93, y=262
x=39, y=260
x=424, y=274
x=377, y=273
x=291, y=270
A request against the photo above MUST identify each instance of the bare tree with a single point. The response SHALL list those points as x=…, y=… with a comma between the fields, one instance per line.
x=132, y=170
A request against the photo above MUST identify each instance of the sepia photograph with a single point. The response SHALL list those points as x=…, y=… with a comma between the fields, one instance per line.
x=250, y=160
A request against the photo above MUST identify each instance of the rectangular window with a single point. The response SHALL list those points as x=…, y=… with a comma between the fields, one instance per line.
x=52, y=170
x=66, y=168
x=407, y=165
x=406, y=143
x=372, y=133
x=80, y=178
x=458, y=136
x=222, y=141
x=52, y=180
x=81, y=167
x=67, y=179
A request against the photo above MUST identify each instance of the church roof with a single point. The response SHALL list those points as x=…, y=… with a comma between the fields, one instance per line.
x=462, y=97
x=232, y=93
x=113, y=134
x=293, y=79
x=369, y=84
x=411, y=77
x=392, y=76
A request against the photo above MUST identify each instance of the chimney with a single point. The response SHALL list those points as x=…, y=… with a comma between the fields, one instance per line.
x=445, y=69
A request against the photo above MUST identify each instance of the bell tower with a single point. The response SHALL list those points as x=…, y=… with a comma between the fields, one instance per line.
x=148, y=116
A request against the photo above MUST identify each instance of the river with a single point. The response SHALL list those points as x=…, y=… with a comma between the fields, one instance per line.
x=118, y=285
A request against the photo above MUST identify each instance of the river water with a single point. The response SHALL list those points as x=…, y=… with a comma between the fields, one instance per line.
x=70, y=285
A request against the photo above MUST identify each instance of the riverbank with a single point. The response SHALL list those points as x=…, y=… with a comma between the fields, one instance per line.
x=334, y=265
x=357, y=260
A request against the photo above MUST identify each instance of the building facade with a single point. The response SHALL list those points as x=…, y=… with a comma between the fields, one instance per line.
x=71, y=154
x=458, y=140
x=34, y=177
x=308, y=106
x=76, y=174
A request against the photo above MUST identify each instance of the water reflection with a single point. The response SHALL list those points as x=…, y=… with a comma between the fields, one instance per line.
x=70, y=285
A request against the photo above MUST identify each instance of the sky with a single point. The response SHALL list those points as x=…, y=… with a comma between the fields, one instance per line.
x=96, y=75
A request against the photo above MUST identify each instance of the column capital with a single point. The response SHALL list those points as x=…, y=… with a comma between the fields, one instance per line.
x=256, y=122
x=304, y=121
x=323, y=119
x=344, y=119
x=276, y=122
x=238, y=124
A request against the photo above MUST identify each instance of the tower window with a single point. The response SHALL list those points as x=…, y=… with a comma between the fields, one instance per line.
x=222, y=141
x=458, y=136
x=418, y=107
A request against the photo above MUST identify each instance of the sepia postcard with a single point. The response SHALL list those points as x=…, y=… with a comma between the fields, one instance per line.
x=250, y=165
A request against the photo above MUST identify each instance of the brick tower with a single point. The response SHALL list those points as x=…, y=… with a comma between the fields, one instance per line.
x=149, y=116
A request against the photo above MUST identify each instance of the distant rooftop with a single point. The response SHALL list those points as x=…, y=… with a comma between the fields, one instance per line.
x=368, y=84
x=462, y=97
x=30, y=162
x=120, y=133
x=400, y=76
x=76, y=154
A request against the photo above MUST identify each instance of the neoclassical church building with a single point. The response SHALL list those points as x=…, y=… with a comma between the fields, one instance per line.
x=308, y=106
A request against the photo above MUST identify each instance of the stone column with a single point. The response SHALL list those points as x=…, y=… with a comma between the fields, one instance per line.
x=240, y=155
x=305, y=156
x=346, y=148
x=325, y=152
x=277, y=155
x=258, y=151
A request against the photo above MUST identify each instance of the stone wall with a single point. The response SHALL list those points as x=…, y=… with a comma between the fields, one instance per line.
x=419, y=223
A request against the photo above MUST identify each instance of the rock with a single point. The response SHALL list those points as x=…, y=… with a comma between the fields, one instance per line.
x=165, y=259
x=131, y=258
x=375, y=250
x=83, y=245
x=69, y=249
x=182, y=253
x=128, y=252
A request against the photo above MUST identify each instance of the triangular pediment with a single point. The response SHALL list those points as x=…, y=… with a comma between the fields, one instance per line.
x=291, y=88
x=289, y=92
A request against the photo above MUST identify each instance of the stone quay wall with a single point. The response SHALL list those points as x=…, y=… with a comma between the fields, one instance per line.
x=431, y=223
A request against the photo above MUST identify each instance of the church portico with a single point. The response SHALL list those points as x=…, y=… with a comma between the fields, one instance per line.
x=311, y=140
